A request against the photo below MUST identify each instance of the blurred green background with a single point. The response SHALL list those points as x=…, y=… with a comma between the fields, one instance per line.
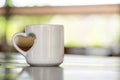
x=94, y=30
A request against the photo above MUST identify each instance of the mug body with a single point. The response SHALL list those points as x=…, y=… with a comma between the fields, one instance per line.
x=48, y=47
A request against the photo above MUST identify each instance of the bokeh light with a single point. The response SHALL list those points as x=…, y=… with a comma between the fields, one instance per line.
x=2, y=3
x=31, y=3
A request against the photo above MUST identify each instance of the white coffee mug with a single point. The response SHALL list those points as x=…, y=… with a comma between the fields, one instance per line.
x=48, y=47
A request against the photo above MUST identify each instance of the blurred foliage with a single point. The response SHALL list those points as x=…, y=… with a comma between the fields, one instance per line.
x=18, y=24
x=75, y=34
x=2, y=27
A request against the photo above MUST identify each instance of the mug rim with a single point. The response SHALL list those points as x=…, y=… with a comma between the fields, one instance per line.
x=44, y=25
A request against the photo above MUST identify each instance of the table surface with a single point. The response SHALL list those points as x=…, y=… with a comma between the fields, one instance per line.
x=74, y=67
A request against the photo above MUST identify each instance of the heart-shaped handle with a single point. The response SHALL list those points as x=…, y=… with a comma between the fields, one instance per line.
x=15, y=45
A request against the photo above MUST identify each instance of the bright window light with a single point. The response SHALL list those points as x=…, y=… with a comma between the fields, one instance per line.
x=30, y=3
x=2, y=3
x=92, y=30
